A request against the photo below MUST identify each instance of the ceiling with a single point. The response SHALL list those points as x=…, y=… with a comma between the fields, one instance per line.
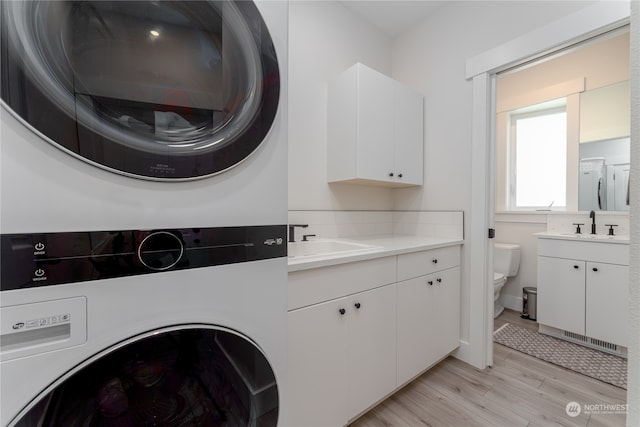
x=393, y=16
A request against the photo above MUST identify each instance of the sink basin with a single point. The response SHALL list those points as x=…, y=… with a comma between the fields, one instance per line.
x=327, y=247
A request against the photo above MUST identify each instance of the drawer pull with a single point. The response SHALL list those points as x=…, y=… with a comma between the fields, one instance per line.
x=357, y=305
x=435, y=261
x=576, y=267
x=430, y=282
x=595, y=269
x=342, y=311
x=439, y=280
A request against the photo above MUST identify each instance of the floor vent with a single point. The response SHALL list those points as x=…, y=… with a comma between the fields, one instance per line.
x=586, y=341
x=575, y=337
x=604, y=345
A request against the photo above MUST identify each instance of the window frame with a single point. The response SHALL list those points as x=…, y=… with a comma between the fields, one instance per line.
x=558, y=105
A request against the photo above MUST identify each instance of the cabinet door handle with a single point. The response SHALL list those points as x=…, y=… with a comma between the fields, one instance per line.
x=399, y=175
x=430, y=282
x=576, y=267
x=390, y=173
x=357, y=305
x=439, y=280
x=435, y=260
x=342, y=311
x=595, y=268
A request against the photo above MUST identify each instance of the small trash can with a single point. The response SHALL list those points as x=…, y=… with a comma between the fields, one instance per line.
x=529, y=303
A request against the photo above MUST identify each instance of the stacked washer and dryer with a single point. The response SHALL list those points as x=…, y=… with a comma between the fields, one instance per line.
x=143, y=213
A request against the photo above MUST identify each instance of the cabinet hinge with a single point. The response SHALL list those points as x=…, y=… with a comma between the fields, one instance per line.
x=492, y=233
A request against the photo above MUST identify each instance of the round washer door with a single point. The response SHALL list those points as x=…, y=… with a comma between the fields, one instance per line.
x=185, y=376
x=158, y=90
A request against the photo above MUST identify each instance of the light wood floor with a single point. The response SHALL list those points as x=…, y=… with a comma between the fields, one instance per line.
x=519, y=390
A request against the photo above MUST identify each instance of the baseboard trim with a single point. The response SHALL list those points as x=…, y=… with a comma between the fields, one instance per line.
x=512, y=302
x=466, y=354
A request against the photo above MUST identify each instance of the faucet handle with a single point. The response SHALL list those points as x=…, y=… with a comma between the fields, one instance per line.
x=611, y=228
x=292, y=227
x=305, y=237
x=578, y=224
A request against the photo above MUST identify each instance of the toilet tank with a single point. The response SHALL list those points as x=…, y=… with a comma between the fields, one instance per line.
x=506, y=259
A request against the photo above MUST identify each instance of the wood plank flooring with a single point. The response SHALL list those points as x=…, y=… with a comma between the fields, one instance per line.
x=519, y=390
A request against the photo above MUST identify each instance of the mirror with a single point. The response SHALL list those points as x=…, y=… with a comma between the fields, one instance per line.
x=592, y=81
x=604, y=148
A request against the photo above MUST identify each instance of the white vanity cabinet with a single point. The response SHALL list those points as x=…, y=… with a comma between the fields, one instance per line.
x=358, y=331
x=375, y=130
x=342, y=356
x=317, y=365
x=428, y=309
x=583, y=287
x=342, y=352
x=428, y=321
x=561, y=293
x=607, y=302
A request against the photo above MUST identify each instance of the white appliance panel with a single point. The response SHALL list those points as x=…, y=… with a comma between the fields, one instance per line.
x=250, y=299
x=45, y=190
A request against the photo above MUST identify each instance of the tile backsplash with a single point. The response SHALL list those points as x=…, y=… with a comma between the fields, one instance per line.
x=564, y=222
x=334, y=224
x=449, y=224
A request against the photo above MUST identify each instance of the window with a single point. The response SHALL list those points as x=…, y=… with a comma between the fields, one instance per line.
x=537, y=158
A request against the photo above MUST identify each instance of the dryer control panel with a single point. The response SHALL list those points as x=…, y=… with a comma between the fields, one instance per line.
x=44, y=259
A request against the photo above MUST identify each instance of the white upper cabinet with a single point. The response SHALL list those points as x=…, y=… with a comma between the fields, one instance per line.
x=375, y=130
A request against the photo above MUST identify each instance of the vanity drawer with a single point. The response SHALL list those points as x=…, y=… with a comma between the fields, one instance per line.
x=426, y=262
x=316, y=285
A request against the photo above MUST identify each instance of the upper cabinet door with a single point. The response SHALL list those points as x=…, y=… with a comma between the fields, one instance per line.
x=375, y=130
x=408, y=135
x=375, y=116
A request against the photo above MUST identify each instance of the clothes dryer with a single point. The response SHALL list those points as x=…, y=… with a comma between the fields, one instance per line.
x=188, y=98
x=143, y=211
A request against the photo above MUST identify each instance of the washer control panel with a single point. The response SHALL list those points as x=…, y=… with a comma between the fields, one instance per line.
x=28, y=329
x=45, y=259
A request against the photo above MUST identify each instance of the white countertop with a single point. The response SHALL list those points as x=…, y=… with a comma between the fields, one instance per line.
x=599, y=238
x=384, y=246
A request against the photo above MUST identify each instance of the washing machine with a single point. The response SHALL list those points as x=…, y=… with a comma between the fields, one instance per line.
x=143, y=213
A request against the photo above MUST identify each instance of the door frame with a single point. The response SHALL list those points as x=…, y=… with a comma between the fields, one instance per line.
x=482, y=69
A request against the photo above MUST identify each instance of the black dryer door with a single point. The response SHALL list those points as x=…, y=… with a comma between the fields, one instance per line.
x=162, y=90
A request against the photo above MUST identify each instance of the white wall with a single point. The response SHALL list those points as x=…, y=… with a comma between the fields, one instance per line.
x=325, y=38
x=431, y=59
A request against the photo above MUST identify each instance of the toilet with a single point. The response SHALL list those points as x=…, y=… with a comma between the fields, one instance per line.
x=506, y=261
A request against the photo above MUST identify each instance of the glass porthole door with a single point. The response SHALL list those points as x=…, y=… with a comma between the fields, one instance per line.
x=184, y=376
x=162, y=90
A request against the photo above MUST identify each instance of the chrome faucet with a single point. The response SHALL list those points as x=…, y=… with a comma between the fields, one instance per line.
x=592, y=215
